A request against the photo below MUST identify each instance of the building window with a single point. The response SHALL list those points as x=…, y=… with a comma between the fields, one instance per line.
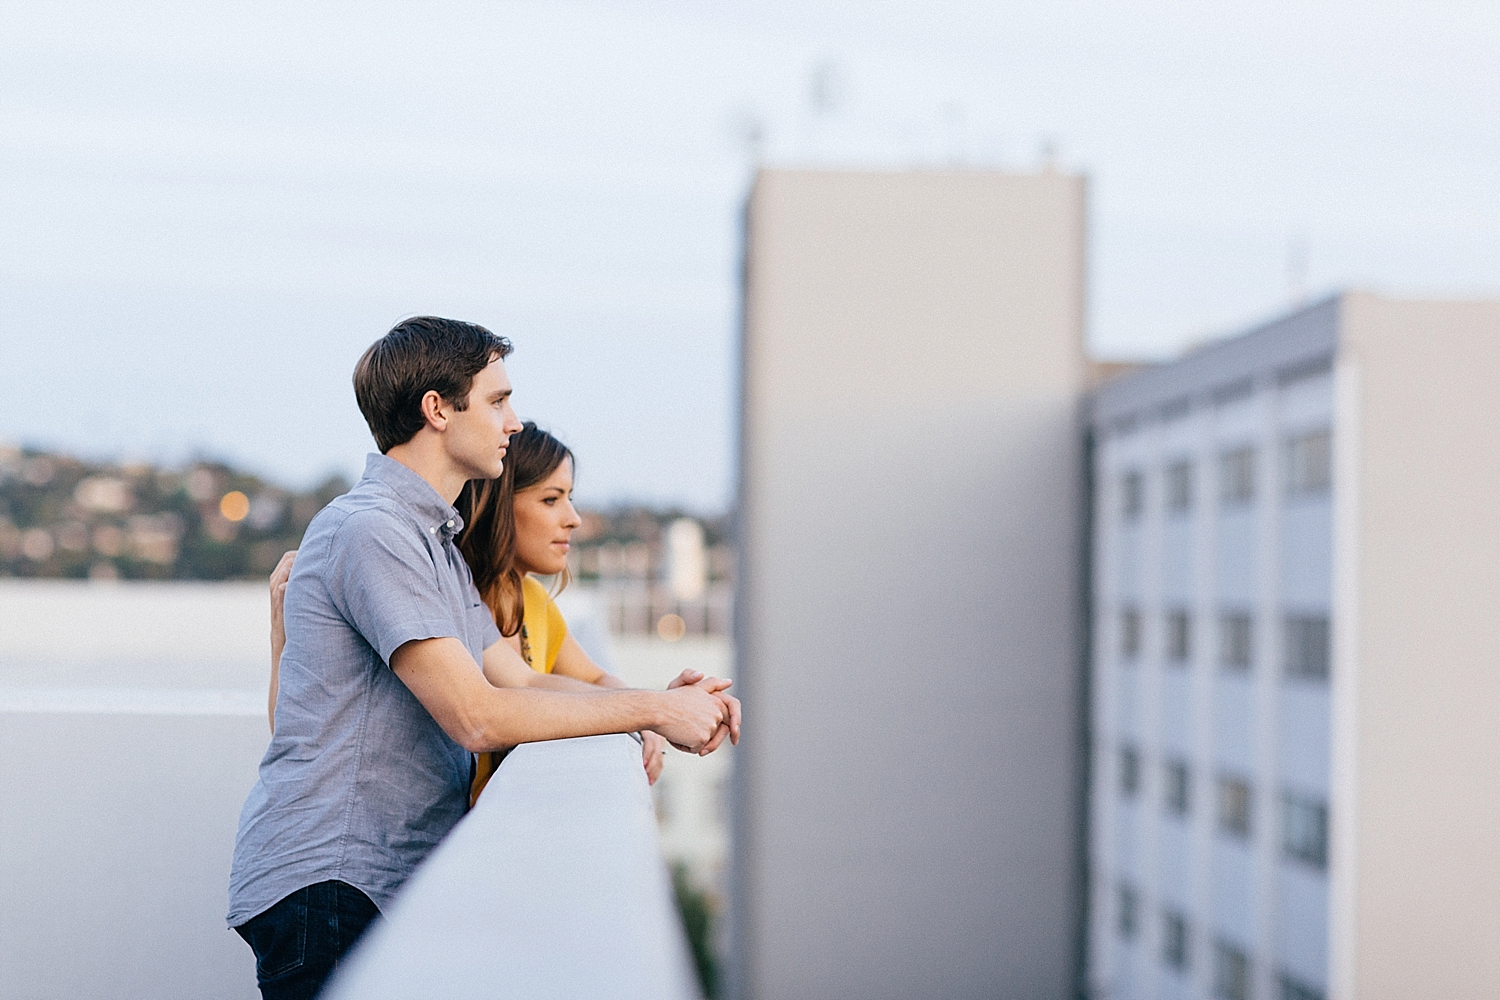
x=1234, y=806
x=1179, y=637
x=1179, y=487
x=1179, y=787
x=1291, y=989
x=1308, y=464
x=1304, y=830
x=1130, y=634
x=1307, y=651
x=1132, y=495
x=1130, y=771
x=1129, y=913
x=1235, y=633
x=1174, y=940
x=1231, y=972
x=1237, y=476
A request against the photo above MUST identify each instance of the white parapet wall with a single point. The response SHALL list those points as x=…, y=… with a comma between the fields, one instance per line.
x=132, y=719
x=552, y=887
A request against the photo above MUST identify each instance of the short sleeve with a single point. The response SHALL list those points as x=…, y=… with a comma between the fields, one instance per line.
x=557, y=631
x=382, y=579
x=489, y=631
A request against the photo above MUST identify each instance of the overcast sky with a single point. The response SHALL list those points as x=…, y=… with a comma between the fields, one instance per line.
x=207, y=211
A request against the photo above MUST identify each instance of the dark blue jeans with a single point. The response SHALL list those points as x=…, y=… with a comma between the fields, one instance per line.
x=301, y=940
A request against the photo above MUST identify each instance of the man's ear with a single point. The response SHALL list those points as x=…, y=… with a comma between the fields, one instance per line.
x=435, y=410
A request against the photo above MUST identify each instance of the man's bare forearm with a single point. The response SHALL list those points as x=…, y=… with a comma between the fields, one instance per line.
x=481, y=716
x=529, y=715
x=557, y=682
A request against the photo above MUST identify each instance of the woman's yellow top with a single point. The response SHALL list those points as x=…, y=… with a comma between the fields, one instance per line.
x=543, y=630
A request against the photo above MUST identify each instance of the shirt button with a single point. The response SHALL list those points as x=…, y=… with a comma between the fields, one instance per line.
x=432, y=530
x=450, y=524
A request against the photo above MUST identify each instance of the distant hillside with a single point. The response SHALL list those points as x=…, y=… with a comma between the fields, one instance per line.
x=61, y=517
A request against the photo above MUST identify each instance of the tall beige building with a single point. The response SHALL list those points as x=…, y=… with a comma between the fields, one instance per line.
x=909, y=627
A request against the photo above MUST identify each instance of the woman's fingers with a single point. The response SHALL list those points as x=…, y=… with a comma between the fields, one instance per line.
x=653, y=755
x=729, y=721
x=279, y=577
x=283, y=571
x=733, y=704
x=714, y=741
x=685, y=678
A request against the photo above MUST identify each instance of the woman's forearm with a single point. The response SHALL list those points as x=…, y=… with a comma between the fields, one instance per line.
x=279, y=577
x=276, y=648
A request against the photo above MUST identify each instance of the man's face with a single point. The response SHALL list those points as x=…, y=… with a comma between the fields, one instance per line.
x=477, y=436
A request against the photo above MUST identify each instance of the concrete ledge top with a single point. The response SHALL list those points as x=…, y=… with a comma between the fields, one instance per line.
x=553, y=886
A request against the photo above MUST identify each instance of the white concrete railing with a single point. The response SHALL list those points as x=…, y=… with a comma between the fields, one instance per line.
x=553, y=886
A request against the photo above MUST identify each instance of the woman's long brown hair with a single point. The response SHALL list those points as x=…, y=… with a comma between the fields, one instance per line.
x=488, y=507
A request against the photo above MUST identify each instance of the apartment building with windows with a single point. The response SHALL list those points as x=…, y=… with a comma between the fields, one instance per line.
x=1295, y=590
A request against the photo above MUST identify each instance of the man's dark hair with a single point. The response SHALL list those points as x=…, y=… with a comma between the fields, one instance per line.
x=420, y=355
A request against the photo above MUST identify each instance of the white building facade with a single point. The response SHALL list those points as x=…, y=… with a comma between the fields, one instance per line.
x=1212, y=581
x=1293, y=676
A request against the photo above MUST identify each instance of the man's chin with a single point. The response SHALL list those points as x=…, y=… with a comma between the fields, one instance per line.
x=476, y=472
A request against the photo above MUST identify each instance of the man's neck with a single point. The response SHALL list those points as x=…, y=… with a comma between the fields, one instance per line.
x=428, y=460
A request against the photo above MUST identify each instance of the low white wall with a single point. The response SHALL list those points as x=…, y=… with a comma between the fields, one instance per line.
x=132, y=719
x=115, y=840
x=552, y=887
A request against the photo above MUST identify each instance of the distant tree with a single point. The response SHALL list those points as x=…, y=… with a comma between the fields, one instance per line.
x=697, y=911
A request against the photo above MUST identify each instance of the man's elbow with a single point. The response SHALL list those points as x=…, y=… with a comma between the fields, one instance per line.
x=480, y=736
x=468, y=730
x=474, y=741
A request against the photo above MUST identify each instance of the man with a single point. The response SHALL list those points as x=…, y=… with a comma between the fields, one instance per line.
x=383, y=693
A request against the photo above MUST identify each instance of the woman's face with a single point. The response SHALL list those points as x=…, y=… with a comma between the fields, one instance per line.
x=545, y=520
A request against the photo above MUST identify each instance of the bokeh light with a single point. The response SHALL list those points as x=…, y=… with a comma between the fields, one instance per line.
x=671, y=627
x=234, y=506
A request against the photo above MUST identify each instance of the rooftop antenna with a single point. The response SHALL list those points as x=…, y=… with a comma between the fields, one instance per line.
x=1296, y=270
x=825, y=92
x=1048, y=154
x=825, y=88
x=749, y=131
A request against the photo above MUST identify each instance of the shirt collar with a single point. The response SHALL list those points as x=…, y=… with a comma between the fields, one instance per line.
x=437, y=515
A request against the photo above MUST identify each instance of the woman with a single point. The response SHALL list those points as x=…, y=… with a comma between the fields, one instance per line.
x=506, y=554
x=505, y=543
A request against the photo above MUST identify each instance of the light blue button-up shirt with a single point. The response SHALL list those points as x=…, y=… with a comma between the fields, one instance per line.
x=359, y=782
